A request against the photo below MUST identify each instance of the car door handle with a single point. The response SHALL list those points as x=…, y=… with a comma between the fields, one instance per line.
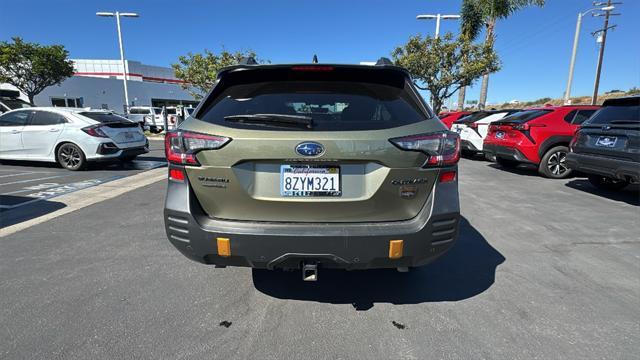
x=16, y=131
x=54, y=130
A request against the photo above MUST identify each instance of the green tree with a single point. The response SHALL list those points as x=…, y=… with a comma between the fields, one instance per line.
x=444, y=65
x=31, y=67
x=479, y=14
x=199, y=71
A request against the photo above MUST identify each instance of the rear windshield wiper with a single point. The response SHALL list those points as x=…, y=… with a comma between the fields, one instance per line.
x=275, y=119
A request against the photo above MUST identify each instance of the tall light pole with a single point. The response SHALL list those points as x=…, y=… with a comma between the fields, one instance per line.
x=576, y=38
x=438, y=17
x=117, y=15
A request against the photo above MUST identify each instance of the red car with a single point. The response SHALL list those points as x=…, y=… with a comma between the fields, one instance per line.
x=538, y=136
x=449, y=117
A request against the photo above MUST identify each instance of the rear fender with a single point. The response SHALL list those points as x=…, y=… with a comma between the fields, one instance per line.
x=557, y=140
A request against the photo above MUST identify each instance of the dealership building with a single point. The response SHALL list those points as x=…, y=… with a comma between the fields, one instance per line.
x=98, y=84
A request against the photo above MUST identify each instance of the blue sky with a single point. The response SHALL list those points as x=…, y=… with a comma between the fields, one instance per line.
x=534, y=44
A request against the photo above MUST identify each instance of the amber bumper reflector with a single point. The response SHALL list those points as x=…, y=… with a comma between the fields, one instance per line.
x=224, y=247
x=395, y=249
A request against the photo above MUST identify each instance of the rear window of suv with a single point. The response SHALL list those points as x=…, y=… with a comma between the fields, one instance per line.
x=522, y=117
x=616, y=113
x=330, y=105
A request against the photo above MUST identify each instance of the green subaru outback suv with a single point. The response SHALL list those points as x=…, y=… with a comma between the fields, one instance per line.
x=312, y=166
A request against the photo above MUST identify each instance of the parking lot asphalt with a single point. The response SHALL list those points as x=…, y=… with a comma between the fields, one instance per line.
x=24, y=183
x=543, y=269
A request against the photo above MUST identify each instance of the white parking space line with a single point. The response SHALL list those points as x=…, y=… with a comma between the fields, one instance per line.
x=26, y=173
x=32, y=180
x=42, y=186
x=50, y=190
x=92, y=195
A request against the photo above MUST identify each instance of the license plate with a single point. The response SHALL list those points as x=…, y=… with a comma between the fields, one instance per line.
x=500, y=134
x=309, y=180
x=607, y=141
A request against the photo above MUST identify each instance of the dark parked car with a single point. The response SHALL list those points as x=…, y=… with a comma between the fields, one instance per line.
x=607, y=146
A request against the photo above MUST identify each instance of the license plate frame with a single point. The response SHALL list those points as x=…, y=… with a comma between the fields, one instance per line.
x=607, y=141
x=333, y=171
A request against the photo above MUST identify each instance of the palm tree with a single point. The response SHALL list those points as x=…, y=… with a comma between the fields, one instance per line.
x=477, y=14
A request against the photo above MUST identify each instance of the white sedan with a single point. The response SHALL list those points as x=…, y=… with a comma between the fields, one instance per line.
x=69, y=136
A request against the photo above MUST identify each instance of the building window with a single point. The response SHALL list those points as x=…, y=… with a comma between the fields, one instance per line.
x=66, y=102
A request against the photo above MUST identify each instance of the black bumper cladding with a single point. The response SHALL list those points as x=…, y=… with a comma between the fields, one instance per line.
x=467, y=145
x=600, y=165
x=505, y=152
x=287, y=245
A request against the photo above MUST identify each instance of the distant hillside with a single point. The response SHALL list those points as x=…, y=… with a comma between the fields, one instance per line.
x=580, y=100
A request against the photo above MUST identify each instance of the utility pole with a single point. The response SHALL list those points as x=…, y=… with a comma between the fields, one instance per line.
x=603, y=42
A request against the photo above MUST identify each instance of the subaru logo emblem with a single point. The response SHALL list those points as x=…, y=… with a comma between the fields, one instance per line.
x=309, y=148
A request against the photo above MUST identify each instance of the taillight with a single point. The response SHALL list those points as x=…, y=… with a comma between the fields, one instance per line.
x=525, y=126
x=95, y=131
x=442, y=148
x=574, y=141
x=181, y=147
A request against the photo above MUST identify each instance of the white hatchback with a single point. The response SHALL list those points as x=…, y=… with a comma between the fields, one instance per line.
x=69, y=136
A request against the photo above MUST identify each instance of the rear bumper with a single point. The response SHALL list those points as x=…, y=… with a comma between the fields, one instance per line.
x=110, y=151
x=505, y=152
x=600, y=165
x=332, y=245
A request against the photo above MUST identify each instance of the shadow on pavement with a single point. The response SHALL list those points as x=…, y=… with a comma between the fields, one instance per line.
x=468, y=269
x=140, y=163
x=522, y=169
x=629, y=195
x=12, y=216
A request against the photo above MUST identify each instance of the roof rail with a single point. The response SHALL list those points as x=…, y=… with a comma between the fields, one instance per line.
x=248, y=61
x=383, y=61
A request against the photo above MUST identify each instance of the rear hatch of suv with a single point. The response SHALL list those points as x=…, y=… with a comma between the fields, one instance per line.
x=313, y=143
x=516, y=128
x=613, y=131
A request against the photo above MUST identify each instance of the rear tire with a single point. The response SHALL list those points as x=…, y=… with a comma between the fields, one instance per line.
x=607, y=183
x=553, y=163
x=71, y=157
x=506, y=163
